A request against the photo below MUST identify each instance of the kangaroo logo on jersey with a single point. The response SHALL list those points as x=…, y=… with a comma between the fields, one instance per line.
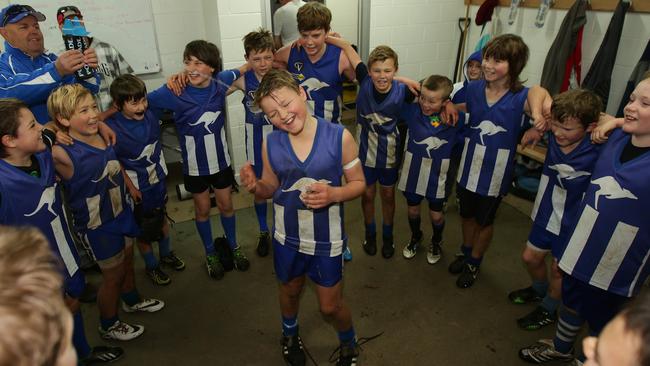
x=207, y=118
x=565, y=171
x=313, y=84
x=147, y=152
x=303, y=183
x=488, y=128
x=609, y=188
x=377, y=119
x=47, y=199
x=432, y=143
x=111, y=169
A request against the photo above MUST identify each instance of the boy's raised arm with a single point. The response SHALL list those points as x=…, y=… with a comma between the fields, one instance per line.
x=535, y=106
x=265, y=187
x=346, y=46
x=281, y=58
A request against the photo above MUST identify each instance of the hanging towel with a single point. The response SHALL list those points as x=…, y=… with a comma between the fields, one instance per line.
x=562, y=56
x=637, y=74
x=599, y=77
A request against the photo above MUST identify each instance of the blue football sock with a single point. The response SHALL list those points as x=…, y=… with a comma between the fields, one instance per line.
x=473, y=261
x=371, y=229
x=131, y=298
x=228, y=224
x=205, y=232
x=164, y=246
x=550, y=304
x=466, y=250
x=150, y=260
x=289, y=326
x=387, y=231
x=347, y=337
x=107, y=322
x=568, y=327
x=79, y=336
x=540, y=287
x=260, y=211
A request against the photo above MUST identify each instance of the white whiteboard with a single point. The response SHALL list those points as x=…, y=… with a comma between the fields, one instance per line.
x=126, y=24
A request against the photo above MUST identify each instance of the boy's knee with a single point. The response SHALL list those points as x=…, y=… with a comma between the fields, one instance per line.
x=330, y=309
x=532, y=257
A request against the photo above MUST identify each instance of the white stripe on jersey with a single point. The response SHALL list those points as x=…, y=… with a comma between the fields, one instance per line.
x=278, y=219
x=134, y=178
x=475, y=167
x=391, y=159
x=192, y=165
x=115, y=195
x=211, y=156
x=64, y=249
x=94, y=219
x=461, y=166
x=226, y=154
x=611, y=260
x=404, y=174
x=306, y=232
x=558, y=199
x=250, y=152
x=543, y=183
x=163, y=163
x=423, y=176
x=638, y=273
x=328, y=110
x=578, y=239
x=442, y=178
x=371, y=153
x=503, y=159
x=310, y=107
x=266, y=130
x=336, y=236
x=151, y=172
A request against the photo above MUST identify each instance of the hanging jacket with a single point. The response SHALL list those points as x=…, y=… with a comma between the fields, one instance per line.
x=637, y=75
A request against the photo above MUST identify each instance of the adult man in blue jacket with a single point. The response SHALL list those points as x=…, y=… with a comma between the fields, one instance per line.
x=27, y=72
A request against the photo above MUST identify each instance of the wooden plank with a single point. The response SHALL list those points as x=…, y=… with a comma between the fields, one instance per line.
x=537, y=153
x=638, y=6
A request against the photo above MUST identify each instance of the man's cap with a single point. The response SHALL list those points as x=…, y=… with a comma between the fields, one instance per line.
x=67, y=11
x=16, y=12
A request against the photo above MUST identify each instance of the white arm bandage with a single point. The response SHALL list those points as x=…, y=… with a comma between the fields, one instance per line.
x=351, y=164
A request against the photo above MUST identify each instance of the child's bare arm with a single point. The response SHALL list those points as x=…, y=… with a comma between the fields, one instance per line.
x=264, y=187
x=133, y=191
x=107, y=113
x=346, y=46
x=321, y=194
x=239, y=84
x=281, y=58
x=606, y=124
x=62, y=162
x=534, y=106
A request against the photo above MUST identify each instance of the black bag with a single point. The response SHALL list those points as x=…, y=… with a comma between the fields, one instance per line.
x=150, y=223
x=225, y=253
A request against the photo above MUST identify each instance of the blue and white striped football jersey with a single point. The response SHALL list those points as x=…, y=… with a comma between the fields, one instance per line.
x=36, y=201
x=321, y=80
x=200, y=125
x=486, y=164
x=610, y=245
x=378, y=135
x=97, y=193
x=314, y=232
x=256, y=124
x=427, y=154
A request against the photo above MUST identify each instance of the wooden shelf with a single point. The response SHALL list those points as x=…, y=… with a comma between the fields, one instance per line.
x=638, y=6
x=537, y=153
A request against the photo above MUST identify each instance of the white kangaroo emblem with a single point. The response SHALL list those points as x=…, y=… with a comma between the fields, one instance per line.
x=47, y=198
x=432, y=142
x=565, y=171
x=207, y=118
x=488, y=128
x=610, y=188
x=313, y=84
x=147, y=152
x=377, y=119
x=303, y=183
x=110, y=170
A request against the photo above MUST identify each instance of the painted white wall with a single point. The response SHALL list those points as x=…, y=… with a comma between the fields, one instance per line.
x=633, y=42
x=424, y=33
x=345, y=18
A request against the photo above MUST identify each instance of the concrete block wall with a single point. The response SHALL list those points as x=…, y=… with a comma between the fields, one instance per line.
x=633, y=41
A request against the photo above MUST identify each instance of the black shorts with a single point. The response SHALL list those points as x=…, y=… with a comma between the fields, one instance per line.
x=199, y=184
x=475, y=206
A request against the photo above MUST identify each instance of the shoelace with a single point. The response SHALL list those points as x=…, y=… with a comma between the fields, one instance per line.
x=360, y=342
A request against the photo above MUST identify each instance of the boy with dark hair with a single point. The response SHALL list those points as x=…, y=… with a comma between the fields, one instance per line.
x=495, y=105
x=379, y=101
x=570, y=158
x=303, y=175
x=316, y=66
x=91, y=174
x=606, y=257
x=426, y=162
x=200, y=119
x=139, y=151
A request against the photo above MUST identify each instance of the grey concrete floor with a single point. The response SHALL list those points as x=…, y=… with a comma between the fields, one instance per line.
x=424, y=318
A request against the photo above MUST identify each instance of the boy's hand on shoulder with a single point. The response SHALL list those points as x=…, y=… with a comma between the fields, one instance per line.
x=449, y=113
x=414, y=86
x=248, y=178
x=177, y=83
x=540, y=122
x=318, y=195
x=62, y=138
x=600, y=133
x=107, y=133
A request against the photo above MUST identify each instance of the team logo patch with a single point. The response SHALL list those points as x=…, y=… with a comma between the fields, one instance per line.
x=298, y=65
